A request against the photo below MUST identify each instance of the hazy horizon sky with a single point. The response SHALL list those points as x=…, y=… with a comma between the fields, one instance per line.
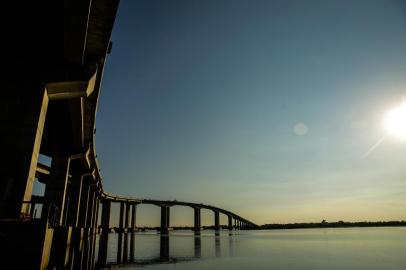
x=264, y=108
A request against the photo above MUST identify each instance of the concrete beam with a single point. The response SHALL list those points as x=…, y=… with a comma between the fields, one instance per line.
x=76, y=18
x=72, y=89
x=42, y=173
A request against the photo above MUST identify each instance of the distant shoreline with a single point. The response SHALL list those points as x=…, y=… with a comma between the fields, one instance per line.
x=338, y=224
x=304, y=225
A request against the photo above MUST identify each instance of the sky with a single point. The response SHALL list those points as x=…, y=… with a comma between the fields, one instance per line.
x=264, y=108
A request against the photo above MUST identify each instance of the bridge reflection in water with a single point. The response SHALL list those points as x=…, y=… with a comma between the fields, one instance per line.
x=172, y=248
x=127, y=220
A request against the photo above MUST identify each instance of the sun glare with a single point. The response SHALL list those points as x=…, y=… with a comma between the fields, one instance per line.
x=395, y=122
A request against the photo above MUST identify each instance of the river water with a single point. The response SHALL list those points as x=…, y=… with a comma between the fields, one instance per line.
x=328, y=248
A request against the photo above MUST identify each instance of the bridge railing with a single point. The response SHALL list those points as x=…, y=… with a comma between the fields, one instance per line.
x=34, y=211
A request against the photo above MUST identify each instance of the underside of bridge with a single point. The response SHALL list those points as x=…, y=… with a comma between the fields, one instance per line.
x=54, y=58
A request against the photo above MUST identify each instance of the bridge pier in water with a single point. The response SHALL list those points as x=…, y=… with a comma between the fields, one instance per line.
x=216, y=220
x=165, y=218
x=125, y=232
x=197, y=219
x=105, y=230
x=132, y=239
x=230, y=222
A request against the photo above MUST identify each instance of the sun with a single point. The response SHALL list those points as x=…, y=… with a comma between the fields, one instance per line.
x=395, y=122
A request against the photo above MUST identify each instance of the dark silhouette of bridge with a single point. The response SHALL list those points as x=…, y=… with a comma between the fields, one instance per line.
x=54, y=58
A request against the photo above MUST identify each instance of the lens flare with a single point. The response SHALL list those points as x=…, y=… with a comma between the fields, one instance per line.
x=395, y=122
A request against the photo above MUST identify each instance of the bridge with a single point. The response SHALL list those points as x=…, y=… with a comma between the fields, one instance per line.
x=54, y=59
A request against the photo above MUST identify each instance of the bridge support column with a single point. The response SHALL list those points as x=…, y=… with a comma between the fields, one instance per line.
x=74, y=200
x=23, y=108
x=126, y=223
x=230, y=222
x=94, y=227
x=55, y=190
x=84, y=199
x=88, y=239
x=197, y=219
x=80, y=234
x=132, y=239
x=120, y=234
x=104, y=236
x=165, y=217
x=217, y=220
x=72, y=219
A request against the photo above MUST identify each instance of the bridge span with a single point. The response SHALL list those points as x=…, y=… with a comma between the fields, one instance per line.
x=54, y=58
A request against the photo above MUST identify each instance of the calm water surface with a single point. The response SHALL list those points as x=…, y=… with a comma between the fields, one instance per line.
x=343, y=248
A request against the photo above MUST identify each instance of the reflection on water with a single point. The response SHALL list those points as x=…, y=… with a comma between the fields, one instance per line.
x=344, y=248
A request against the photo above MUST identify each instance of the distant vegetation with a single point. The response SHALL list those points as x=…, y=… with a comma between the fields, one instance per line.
x=323, y=224
x=338, y=224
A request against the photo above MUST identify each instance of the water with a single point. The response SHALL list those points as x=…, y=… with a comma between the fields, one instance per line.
x=330, y=248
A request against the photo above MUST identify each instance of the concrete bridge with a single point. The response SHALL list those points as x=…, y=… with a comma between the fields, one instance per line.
x=54, y=58
x=127, y=221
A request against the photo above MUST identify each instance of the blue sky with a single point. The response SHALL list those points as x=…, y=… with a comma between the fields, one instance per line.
x=200, y=100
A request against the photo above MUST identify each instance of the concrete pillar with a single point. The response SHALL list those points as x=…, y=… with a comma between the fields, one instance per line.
x=94, y=228
x=82, y=234
x=75, y=196
x=126, y=224
x=104, y=236
x=23, y=108
x=216, y=220
x=165, y=219
x=84, y=198
x=197, y=217
x=230, y=222
x=78, y=243
x=120, y=234
x=88, y=232
x=55, y=190
x=90, y=207
x=132, y=239
x=168, y=217
x=86, y=249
